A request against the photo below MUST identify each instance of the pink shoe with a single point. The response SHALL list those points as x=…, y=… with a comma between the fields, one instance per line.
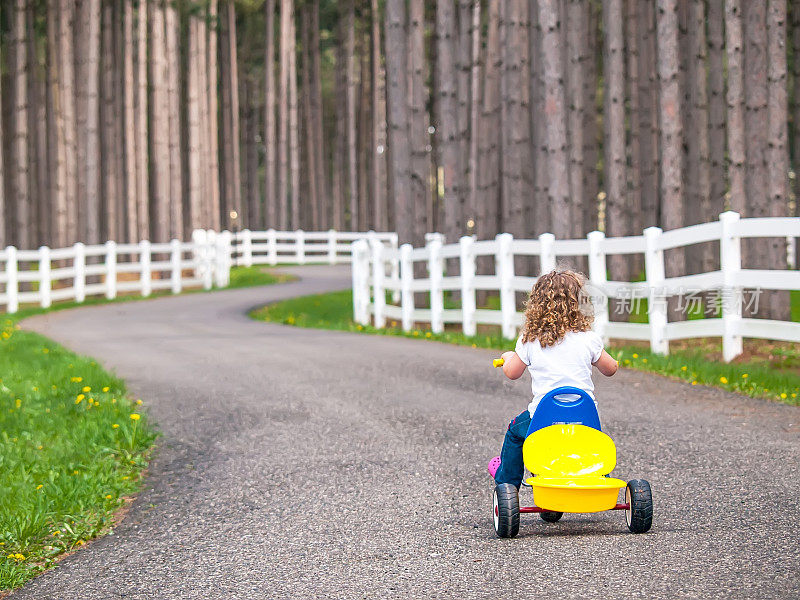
x=494, y=464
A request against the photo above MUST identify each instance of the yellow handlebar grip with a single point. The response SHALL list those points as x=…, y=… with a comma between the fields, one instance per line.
x=498, y=362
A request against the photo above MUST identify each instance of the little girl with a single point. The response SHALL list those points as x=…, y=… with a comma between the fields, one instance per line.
x=559, y=348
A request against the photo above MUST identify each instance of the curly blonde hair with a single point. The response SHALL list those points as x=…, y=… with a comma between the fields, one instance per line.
x=557, y=304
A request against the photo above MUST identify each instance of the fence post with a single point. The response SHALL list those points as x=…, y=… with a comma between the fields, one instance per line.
x=146, y=275
x=730, y=260
x=504, y=267
x=12, y=282
x=272, y=247
x=331, y=246
x=378, y=276
x=247, y=247
x=360, y=273
x=175, y=265
x=547, y=259
x=393, y=242
x=111, y=269
x=79, y=265
x=435, y=270
x=44, y=277
x=467, y=269
x=597, y=279
x=301, y=247
x=406, y=293
x=656, y=296
x=224, y=259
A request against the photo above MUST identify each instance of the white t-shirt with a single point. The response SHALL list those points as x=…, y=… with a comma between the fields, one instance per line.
x=569, y=362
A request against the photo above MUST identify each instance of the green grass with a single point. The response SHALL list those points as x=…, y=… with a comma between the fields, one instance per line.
x=73, y=447
x=255, y=275
x=775, y=375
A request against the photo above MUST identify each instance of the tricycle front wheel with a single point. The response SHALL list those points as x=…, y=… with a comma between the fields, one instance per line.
x=639, y=498
x=505, y=510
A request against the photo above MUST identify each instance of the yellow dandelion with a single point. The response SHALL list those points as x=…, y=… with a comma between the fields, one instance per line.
x=79, y=399
x=45, y=350
x=723, y=379
x=126, y=477
x=359, y=327
x=105, y=389
x=745, y=375
x=40, y=486
x=416, y=333
x=644, y=360
x=79, y=543
x=57, y=532
x=35, y=389
x=39, y=447
x=794, y=395
x=474, y=345
x=86, y=388
x=627, y=362
x=108, y=496
x=290, y=320
x=635, y=355
x=694, y=383
x=113, y=401
x=683, y=368
x=783, y=395
x=115, y=426
x=135, y=416
x=74, y=472
x=139, y=402
x=18, y=402
x=427, y=334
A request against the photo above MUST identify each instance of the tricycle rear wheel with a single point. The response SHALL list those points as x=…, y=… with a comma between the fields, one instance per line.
x=639, y=514
x=505, y=510
x=551, y=516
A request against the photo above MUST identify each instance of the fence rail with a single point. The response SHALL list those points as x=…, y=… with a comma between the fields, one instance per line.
x=375, y=272
x=47, y=275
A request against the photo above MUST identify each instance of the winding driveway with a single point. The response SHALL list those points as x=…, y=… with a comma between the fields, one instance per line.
x=314, y=464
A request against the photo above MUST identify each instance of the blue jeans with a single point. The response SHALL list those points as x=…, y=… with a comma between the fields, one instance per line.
x=511, y=467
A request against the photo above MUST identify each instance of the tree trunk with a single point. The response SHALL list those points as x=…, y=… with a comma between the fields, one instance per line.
x=294, y=141
x=488, y=224
x=756, y=117
x=312, y=200
x=141, y=123
x=671, y=128
x=352, y=163
x=109, y=142
x=778, y=305
x=634, y=172
x=271, y=172
x=364, y=134
x=396, y=96
x=578, y=57
x=447, y=121
x=555, y=111
x=618, y=210
x=697, y=206
x=796, y=116
x=380, y=217
x=20, y=185
x=129, y=123
x=317, y=116
x=211, y=108
x=236, y=166
x=734, y=47
x=283, y=115
x=418, y=121
x=194, y=149
x=716, y=108
x=57, y=143
x=3, y=218
x=471, y=208
x=539, y=215
x=174, y=108
x=591, y=150
x=159, y=133
x=648, y=116
x=211, y=216
x=37, y=141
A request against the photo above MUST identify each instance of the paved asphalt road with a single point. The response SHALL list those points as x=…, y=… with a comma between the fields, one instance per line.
x=306, y=464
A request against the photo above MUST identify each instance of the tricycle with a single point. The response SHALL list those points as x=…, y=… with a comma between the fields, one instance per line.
x=570, y=460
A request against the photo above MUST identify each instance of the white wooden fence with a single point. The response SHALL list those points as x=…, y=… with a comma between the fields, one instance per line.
x=272, y=247
x=47, y=275
x=374, y=274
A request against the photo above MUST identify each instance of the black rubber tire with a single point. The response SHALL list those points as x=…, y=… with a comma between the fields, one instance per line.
x=551, y=516
x=505, y=510
x=640, y=498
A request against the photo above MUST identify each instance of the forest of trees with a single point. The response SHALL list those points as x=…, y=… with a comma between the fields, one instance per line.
x=132, y=119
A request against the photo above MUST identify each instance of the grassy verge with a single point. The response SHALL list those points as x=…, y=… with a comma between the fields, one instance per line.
x=765, y=370
x=73, y=447
x=72, y=450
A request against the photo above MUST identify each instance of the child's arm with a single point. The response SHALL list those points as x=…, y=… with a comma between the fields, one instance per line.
x=513, y=367
x=605, y=364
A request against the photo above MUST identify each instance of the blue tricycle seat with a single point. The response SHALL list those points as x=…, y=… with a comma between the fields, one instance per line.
x=553, y=409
